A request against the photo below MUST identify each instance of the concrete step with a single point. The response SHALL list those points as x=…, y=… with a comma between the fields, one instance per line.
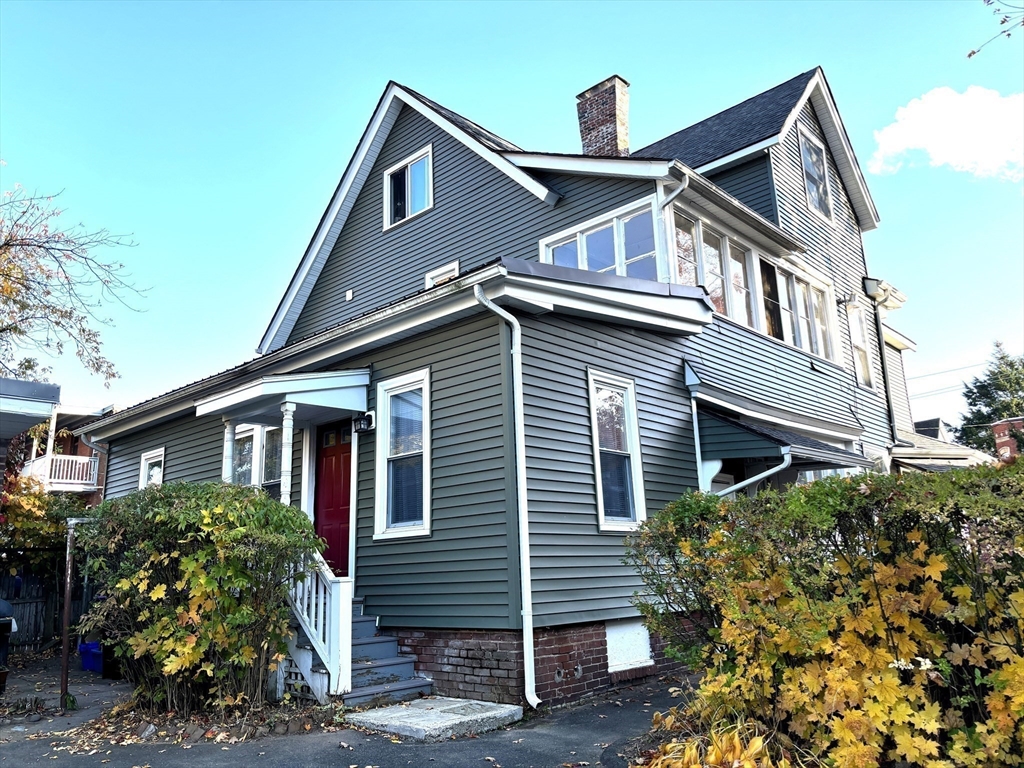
x=370, y=648
x=383, y=671
x=389, y=692
x=364, y=626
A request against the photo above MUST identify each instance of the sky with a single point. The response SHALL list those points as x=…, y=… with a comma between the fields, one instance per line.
x=215, y=133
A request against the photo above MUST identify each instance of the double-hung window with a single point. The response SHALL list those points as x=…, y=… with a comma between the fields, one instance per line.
x=623, y=245
x=408, y=187
x=721, y=265
x=812, y=157
x=257, y=455
x=859, y=339
x=616, y=435
x=402, y=498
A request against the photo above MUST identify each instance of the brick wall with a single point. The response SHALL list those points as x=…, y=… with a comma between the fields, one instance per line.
x=571, y=662
x=603, y=113
x=469, y=664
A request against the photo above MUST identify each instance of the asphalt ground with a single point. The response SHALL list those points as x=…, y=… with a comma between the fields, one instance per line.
x=594, y=732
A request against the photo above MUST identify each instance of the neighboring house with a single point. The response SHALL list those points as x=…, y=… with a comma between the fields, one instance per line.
x=68, y=463
x=492, y=364
x=922, y=446
x=23, y=404
x=1006, y=441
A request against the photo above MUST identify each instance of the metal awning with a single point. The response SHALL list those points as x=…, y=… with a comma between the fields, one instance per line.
x=723, y=438
x=316, y=397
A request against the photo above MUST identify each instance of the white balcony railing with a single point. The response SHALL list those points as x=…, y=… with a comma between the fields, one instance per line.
x=322, y=602
x=64, y=473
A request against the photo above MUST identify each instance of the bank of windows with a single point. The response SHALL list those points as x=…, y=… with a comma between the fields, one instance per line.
x=408, y=187
x=616, y=435
x=257, y=456
x=624, y=245
x=402, y=493
x=792, y=309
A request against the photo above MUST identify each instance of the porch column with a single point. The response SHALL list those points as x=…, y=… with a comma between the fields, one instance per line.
x=51, y=433
x=227, y=472
x=287, y=434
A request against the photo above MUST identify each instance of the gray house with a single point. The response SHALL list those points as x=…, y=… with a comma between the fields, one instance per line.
x=492, y=364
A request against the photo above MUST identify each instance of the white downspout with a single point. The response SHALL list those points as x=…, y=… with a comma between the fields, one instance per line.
x=676, y=192
x=530, y=673
x=787, y=459
x=696, y=443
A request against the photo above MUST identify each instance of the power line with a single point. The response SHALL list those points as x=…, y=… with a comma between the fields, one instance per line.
x=951, y=370
x=944, y=391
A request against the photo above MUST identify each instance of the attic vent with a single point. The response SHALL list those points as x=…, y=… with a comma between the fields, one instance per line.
x=441, y=275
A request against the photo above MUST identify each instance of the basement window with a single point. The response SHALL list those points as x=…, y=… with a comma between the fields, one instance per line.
x=408, y=187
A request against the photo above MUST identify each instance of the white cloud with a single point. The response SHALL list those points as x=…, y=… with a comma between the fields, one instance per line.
x=977, y=132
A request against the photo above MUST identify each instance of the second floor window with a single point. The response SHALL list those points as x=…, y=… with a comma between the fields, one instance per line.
x=795, y=311
x=408, y=187
x=722, y=267
x=625, y=246
x=859, y=339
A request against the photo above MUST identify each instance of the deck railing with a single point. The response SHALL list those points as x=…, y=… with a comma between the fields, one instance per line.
x=59, y=472
x=322, y=603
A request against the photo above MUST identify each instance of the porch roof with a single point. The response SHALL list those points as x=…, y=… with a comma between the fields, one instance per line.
x=723, y=438
x=317, y=397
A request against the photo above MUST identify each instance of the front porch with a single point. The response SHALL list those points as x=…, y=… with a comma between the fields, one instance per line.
x=334, y=650
x=69, y=474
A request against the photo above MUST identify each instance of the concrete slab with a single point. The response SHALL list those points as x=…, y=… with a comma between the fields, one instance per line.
x=437, y=718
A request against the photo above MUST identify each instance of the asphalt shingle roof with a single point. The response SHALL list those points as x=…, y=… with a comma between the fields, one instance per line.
x=490, y=140
x=756, y=119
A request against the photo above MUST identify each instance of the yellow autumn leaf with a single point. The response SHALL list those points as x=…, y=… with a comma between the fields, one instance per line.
x=158, y=592
x=936, y=565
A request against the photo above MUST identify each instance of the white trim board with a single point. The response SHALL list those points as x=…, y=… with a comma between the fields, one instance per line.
x=356, y=174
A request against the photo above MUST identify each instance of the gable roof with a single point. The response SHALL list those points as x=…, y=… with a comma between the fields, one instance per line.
x=487, y=145
x=744, y=125
x=762, y=121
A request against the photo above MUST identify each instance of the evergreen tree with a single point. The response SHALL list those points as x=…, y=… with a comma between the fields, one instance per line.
x=995, y=395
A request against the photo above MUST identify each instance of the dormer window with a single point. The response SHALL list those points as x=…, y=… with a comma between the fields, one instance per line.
x=812, y=155
x=408, y=187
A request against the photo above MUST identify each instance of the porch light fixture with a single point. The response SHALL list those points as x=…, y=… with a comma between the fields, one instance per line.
x=363, y=424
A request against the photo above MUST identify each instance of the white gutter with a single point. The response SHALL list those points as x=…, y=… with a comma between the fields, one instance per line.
x=521, y=501
x=787, y=459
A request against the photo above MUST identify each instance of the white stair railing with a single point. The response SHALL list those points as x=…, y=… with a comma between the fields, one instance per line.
x=322, y=603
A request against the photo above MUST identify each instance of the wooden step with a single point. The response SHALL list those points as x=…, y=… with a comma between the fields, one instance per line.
x=364, y=626
x=370, y=648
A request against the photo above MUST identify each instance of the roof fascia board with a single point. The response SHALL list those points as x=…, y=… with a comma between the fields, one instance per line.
x=497, y=159
x=276, y=332
x=896, y=339
x=344, y=198
x=593, y=166
x=820, y=94
x=740, y=154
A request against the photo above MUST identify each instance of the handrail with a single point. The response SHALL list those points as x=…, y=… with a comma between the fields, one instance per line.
x=58, y=470
x=322, y=602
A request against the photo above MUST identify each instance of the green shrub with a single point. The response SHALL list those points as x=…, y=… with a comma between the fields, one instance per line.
x=870, y=620
x=194, y=581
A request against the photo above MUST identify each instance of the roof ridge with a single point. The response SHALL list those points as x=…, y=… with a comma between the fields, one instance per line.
x=478, y=132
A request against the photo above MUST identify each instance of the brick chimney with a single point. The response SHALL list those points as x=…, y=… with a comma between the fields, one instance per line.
x=604, y=118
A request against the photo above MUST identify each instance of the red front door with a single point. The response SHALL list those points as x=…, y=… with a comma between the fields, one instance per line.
x=333, y=484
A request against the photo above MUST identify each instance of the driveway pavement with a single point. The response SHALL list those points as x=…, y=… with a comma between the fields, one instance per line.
x=591, y=733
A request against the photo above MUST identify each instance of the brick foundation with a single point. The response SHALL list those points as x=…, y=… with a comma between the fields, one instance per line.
x=571, y=662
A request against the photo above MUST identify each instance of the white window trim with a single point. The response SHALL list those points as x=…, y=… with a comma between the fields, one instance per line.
x=259, y=445
x=858, y=306
x=804, y=135
x=415, y=380
x=427, y=152
x=615, y=217
x=632, y=440
x=146, y=459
